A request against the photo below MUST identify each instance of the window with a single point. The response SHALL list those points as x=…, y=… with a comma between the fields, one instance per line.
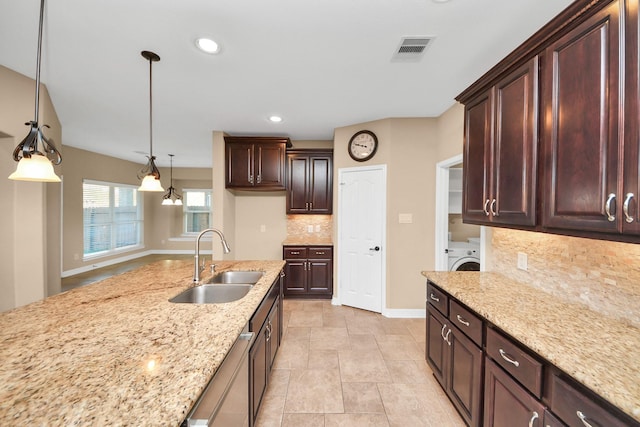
x=197, y=210
x=112, y=217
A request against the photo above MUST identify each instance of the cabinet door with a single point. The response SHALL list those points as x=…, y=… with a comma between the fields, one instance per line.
x=506, y=403
x=320, y=276
x=239, y=165
x=258, y=371
x=465, y=376
x=515, y=147
x=631, y=188
x=320, y=185
x=437, y=347
x=476, y=179
x=297, y=183
x=581, y=78
x=274, y=334
x=270, y=165
x=295, y=279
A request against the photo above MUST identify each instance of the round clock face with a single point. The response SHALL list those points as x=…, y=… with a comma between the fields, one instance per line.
x=363, y=145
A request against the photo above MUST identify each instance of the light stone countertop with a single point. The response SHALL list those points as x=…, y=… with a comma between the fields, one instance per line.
x=600, y=352
x=117, y=352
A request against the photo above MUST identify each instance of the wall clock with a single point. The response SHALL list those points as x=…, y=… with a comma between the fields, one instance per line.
x=363, y=145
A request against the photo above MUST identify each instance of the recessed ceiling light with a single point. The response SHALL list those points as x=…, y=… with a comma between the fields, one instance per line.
x=275, y=119
x=207, y=45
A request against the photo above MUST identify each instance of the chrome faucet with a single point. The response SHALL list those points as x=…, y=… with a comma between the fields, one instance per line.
x=198, y=268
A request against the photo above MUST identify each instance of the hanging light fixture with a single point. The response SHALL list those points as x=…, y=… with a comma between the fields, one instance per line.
x=33, y=164
x=171, y=197
x=150, y=174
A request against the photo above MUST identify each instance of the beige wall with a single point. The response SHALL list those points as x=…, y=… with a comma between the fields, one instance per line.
x=30, y=220
x=161, y=223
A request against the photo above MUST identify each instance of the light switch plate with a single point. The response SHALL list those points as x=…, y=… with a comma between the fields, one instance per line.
x=405, y=218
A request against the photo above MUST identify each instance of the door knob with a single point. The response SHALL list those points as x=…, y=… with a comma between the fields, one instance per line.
x=377, y=248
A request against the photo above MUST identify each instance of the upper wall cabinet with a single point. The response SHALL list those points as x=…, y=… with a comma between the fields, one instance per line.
x=310, y=181
x=500, y=152
x=580, y=101
x=587, y=104
x=255, y=163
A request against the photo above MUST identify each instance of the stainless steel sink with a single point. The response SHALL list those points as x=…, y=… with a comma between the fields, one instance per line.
x=228, y=277
x=212, y=294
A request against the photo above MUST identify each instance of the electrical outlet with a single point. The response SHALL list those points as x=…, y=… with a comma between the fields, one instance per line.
x=309, y=228
x=317, y=228
x=522, y=261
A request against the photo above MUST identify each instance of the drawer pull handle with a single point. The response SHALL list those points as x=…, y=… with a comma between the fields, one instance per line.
x=508, y=358
x=492, y=208
x=584, y=419
x=607, y=207
x=461, y=320
x=434, y=298
x=295, y=253
x=533, y=418
x=485, y=208
x=319, y=253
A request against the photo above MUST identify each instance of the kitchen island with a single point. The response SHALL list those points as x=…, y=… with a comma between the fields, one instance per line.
x=600, y=352
x=117, y=352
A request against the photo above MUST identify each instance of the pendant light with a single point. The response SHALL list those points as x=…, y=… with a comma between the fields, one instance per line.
x=150, y=174
x=171, y=197
x=33, y=164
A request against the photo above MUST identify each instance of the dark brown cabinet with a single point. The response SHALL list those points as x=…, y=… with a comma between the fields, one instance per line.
x=266, y=323
x=255, y=163
x=581, y=115
x=517, y=388
x=457, y=364
x=308, y=271
x=500, y=152
x=310, y=181
x=507, y=404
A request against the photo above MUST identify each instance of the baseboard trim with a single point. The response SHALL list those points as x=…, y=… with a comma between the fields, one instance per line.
x=404, y=313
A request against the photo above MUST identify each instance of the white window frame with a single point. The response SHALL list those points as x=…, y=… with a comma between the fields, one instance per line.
x=140, y=221
x=185, y=211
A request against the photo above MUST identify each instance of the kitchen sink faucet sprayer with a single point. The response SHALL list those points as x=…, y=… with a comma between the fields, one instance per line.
x=198, y=268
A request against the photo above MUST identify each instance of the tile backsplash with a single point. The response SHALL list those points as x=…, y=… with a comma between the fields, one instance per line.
x=603, y=275
x=300, y=225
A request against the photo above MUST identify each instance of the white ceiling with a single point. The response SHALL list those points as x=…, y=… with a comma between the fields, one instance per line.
x=319, y=64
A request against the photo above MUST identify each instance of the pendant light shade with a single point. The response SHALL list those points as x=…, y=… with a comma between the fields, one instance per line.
x=150, y=174
x=33, y=164
x=171, y=197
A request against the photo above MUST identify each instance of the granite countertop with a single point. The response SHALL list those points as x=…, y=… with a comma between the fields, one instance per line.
x=117, y=352
x=307, y=241
x=600, y=352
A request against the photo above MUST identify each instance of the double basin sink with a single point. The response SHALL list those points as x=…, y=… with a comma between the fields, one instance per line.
x=225, y=287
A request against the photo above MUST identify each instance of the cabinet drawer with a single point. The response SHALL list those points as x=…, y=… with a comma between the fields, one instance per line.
x=523, y=367
x=577, y=409
x=295, y=252
x=317, y=252
x=466, y=321
x=261, y=314
x=438, y=299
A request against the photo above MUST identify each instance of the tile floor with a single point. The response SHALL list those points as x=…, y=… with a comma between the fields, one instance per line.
x=343, y=367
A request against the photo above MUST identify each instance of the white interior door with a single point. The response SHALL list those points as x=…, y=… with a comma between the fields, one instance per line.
x=361, y=235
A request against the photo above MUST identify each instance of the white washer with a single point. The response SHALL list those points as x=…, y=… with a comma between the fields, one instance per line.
x=464, y=256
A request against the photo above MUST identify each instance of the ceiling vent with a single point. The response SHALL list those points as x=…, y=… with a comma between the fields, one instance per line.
x=411, y=49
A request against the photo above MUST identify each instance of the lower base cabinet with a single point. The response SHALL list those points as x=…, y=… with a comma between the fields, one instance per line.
x=268, y=318
x=518, y=387
x=507, y=404
x=308, y=272
x=457, y=364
